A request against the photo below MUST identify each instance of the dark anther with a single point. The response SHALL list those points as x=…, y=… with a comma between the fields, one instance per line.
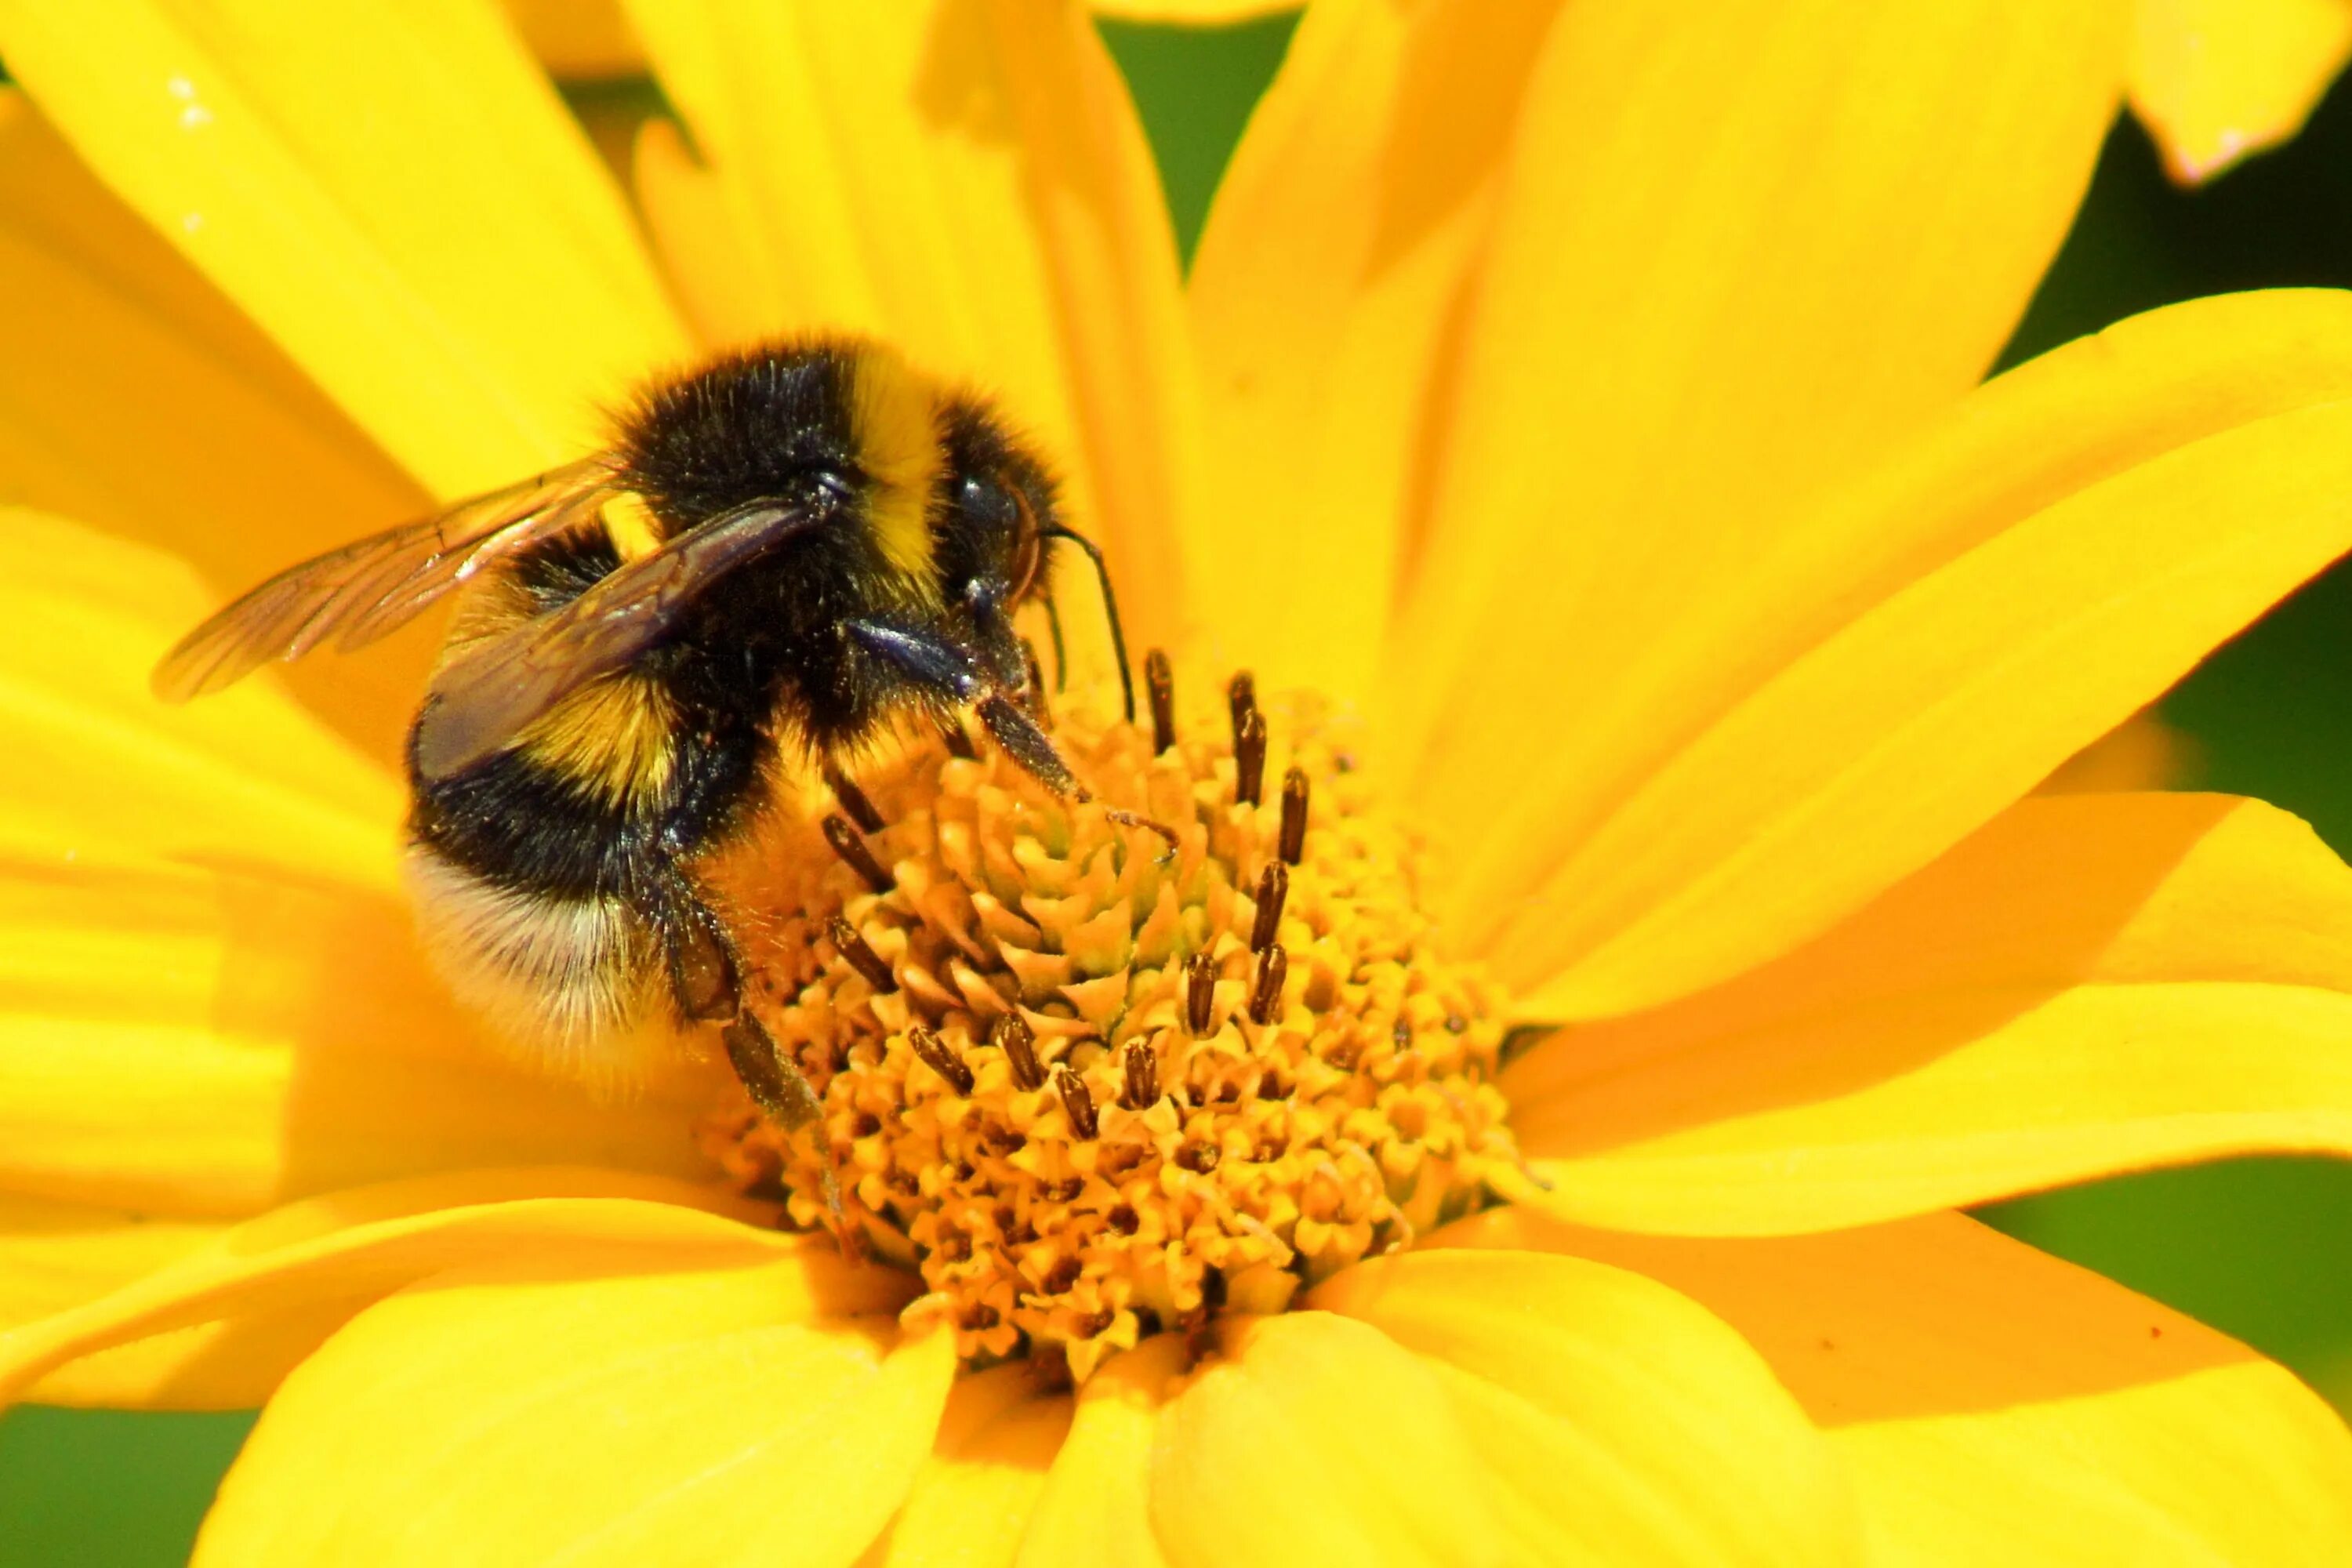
x=1076, y=1100
x=855, y=855
x=1241, y=696
x=853, y=801
x=1249, y=758
x=1124, y=1219
x=940, y=1057
x=1199, y=992
x=959, y=742
x=860, y=957
x=1140, y=1086
x=1294, y=814
x=1159, y=681
x=1011, y=1036
x=1272, y=888
x=1039, y=708
x=1199, y=1158
x=1273, y=968
x=1062, y=1275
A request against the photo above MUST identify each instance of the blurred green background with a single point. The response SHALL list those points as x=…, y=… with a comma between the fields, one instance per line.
x=2262, y=1248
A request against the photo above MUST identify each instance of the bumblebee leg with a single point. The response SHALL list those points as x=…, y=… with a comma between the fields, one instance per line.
x=1028, y=745
x=706, y=975
x=853, y=804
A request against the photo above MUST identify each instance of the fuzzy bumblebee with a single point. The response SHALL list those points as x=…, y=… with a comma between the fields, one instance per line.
x=783, y=552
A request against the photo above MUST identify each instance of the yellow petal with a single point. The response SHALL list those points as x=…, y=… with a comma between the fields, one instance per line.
x=209, y=1040
x=97, y=766
x=1993, y=1405
x=392, y=192
x=2141, y=752
x=137, y=399
x=2215, y=80
x=1314, y=1438
x=579, y=38
x=1915, y=654
x=587, y=1409
x=54, y=1256
x=972, y=1499
x=355, y=1246
x=1096, y=1505
x=968, y=182
x=1325, y=299
x=1624, y=1423
x=1190, y=13
x=1730, y=265
x=2093, y=984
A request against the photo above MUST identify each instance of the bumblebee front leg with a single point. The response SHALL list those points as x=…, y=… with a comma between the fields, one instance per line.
x=706, y=975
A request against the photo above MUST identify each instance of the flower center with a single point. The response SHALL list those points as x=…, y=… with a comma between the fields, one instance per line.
x=1090, y=1085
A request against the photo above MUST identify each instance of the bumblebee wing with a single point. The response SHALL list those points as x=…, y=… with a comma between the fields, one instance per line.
x=482, y=699
x=374, y=585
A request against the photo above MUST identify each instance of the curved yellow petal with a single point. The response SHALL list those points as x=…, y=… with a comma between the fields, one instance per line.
x=2091, y=984
x=1624, y=1423
x=1096, y=1506
x=1315, y=1439
x=1326, y=302
x=586, y=1409
x=97, y=765
x=1913, y=655
x=394, y=193
x=135, y=399
x=2215, y=80
x=1993, y=1405
x=966, y=180
x=355, y=1246
x=971, y=1502
x=210, y=1040
x=1731, y=264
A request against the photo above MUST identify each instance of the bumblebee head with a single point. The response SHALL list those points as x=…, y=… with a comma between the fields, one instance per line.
x=996, y=510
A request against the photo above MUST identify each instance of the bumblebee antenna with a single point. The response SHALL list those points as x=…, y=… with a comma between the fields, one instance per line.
x=1111, y=609
x=1061, y=654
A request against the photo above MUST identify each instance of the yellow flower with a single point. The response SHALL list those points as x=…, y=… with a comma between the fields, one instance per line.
x=1586, y=406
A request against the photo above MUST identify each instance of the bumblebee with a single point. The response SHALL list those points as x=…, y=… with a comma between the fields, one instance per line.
x=783, y=554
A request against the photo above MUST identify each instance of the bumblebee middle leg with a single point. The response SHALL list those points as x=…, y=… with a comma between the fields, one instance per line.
x=706, y=976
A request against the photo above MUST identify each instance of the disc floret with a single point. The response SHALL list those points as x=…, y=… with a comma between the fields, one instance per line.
x=1091, y=1085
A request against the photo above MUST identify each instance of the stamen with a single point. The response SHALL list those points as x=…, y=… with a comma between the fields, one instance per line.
x=854, y=802
x=1294, y=814
x=959, y=742
x=1273, y=969
x=855, y=855
x=860, y=957
x=1161, y=681
x=1272, y=888
x=1199, y=993
x=1013, y=1037
x=1076, y=1100
x=1249, y=758
x=940, y=1057
x=1241, y=699
x=1140, y=1086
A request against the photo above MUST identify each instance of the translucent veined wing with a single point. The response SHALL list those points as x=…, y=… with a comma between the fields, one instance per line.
x=374, y=585
x=485, y=696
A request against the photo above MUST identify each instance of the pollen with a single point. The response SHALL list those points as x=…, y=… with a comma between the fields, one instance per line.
x=1090, y=1085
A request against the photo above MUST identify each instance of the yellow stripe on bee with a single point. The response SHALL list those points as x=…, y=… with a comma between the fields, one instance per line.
x=894, y=416
x=613, y=736
x=629, y=523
